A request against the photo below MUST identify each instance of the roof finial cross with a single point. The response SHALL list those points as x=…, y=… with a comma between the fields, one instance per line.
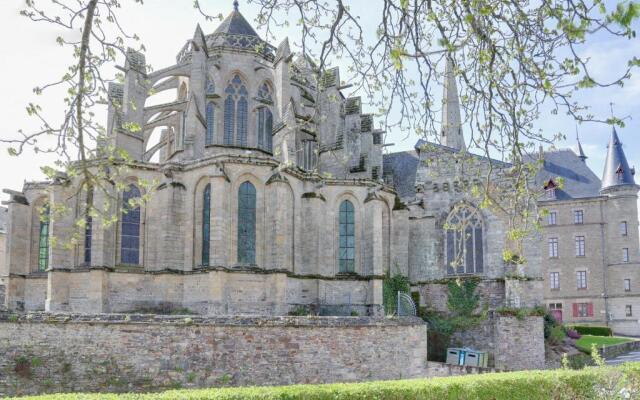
x=577, y=134
x=236, y=5
x=611, y=104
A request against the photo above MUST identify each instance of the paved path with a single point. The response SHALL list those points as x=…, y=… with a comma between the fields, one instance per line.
x=632, y=356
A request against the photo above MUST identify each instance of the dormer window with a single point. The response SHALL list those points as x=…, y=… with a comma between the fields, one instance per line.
x=550, y=189
x=620, y=174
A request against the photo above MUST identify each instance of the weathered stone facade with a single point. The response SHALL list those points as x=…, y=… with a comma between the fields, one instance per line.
x=593, y=275
x=141, y=353
x=512, y=343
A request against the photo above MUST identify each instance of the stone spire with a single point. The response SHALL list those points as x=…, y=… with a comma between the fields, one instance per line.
x=616, y=168
x=581, y=154
x=451, y=122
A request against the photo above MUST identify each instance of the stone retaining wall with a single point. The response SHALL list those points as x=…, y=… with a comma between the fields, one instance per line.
x=615, y=350
x=65, y=352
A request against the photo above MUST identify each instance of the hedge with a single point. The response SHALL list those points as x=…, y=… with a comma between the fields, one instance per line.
x=587, y=383
x=592, y=330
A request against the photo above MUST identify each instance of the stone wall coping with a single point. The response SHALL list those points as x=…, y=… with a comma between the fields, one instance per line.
x=189, y=320
x=204, y=270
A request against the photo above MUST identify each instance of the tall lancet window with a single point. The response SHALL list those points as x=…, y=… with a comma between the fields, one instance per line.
x=43, y=239
x=236, y=108
x=247, y=224
x=347, y=256
x=206, y=224
x=463, y=241
x=264, y=119
x=88, y=226
x=210, y=124
x=130, y=237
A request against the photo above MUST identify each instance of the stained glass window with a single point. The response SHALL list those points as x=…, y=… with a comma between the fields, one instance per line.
x=247, y=224
x=210, y=124
x=43, y=239
x=88, y=227
x=236, y=108
x=130, y=240
x=265, y=128
x=347, y=237
x=463, y=241
x=206, y=224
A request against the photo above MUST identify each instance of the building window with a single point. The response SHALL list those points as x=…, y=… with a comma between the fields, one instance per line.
x=247, y=224
x=236, y=113
x=583, y=309
x=265, y=128
x=551, y=193
x=464, y=247
x=210, y=124
x=625, y=255
x=130, y=238
x=623, y=228
x=43, y=239
x=581, y=277
x=628, y=311
x=627, y=285
x=579, y=246
x=206, y=224
x=554, y=280
x=553, y=247
x=578, y=216
x=553, y=216
x=88, y=227
x=347, y=237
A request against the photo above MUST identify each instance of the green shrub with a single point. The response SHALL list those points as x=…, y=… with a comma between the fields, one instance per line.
x=556, y=335
x=588, y=383
x=592, y=330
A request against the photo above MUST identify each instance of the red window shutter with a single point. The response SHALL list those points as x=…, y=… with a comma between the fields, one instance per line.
x=575, y=310
x=590, y=309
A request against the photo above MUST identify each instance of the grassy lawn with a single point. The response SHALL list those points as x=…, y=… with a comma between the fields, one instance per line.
x=585, y=342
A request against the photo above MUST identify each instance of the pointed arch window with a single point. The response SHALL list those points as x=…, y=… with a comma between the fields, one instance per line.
x=210, y=123
x=206, y=224
x=236, y=108
x=43, y=239
x=247, y=224
x=464, y=249
x=88, y=227
x=264, y=125
x=130, y=237
x=347, y=254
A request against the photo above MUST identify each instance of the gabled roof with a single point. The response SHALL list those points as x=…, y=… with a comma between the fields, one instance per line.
x=616, y=168
x=579, y=180
x=401, y=168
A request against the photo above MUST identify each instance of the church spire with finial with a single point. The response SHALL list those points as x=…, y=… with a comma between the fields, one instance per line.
x=581, y=154
x=236, y=5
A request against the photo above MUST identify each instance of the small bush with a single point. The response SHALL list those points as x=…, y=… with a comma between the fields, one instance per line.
x=592, y=330
x=573, y=334
x=556, y=335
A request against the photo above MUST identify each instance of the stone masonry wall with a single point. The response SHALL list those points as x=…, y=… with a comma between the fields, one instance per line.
x=64, y=352
x=512, y=343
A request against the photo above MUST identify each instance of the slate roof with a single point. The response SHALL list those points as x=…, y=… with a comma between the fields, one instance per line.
x=401, y=167
x=579, y=180
x=4, y=214
x=616, y=167
x=235, y=24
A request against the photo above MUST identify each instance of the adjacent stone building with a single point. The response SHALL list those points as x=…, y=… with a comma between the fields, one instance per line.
x=269, y=193
x=3, y=239
x=590, y=248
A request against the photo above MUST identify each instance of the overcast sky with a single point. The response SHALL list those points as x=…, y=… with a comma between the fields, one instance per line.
x=30, y=57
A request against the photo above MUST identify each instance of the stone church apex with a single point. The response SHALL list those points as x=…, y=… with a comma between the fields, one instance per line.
x=451, y=122
x=616, y=168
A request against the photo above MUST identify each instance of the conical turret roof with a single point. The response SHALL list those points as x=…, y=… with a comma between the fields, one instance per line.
x=616, y=168
x=235, y=24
